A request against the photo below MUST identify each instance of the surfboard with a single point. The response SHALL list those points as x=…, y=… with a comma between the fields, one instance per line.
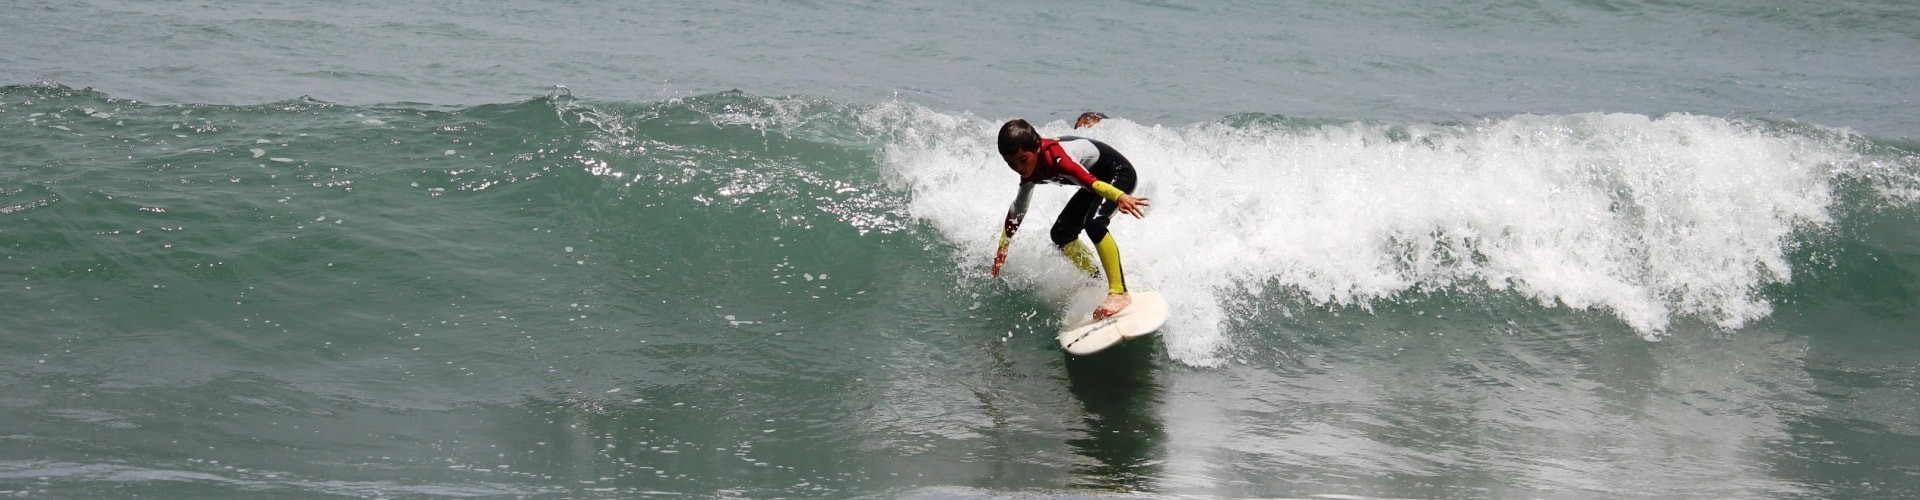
x=1147, y=313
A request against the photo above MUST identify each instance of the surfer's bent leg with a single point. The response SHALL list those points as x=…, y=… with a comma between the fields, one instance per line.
x=1096, y=225
x=1109, y=251
x=1066, y=231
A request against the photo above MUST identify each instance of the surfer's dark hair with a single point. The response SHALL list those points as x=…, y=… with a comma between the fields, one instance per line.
x=1016, y=136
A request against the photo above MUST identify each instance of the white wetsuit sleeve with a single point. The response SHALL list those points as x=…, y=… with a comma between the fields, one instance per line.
x=1017, y=212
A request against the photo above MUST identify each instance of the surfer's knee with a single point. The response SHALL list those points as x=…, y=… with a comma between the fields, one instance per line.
x=1064, y=232
x=1097, y=228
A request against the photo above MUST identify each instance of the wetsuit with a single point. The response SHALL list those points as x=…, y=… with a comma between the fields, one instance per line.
x=1103, y=175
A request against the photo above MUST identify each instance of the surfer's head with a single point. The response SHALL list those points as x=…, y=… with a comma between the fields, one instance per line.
x=1020, y=146
x=1089, y=119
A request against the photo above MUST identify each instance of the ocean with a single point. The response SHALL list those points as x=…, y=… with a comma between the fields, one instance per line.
x=566, y=249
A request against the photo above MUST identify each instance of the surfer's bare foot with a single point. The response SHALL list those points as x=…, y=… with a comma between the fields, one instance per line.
x=1111, y=306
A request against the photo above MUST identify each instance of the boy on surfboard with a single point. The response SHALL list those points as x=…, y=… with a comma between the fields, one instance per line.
x=1105, y=179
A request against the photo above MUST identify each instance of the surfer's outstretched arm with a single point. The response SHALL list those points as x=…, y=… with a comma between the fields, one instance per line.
x=1015, y=214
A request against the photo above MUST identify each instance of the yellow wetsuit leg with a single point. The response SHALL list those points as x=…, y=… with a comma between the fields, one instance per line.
x=1110, y=260
x=1082, y=258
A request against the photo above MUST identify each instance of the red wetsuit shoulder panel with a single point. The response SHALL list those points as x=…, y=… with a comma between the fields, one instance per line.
x=1057, y=166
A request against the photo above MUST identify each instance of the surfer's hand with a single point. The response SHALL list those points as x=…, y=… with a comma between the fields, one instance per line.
x=1130, y=205
x=999, y=259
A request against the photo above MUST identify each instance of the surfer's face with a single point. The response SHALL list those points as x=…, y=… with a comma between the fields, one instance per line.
x=1022, y=162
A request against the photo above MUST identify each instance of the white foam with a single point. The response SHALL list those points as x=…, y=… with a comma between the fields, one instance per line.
x=1650, y=219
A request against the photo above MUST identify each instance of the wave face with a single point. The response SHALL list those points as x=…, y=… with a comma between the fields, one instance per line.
x=756, y=264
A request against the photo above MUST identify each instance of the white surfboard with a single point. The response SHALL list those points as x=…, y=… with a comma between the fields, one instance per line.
x=1147, y=313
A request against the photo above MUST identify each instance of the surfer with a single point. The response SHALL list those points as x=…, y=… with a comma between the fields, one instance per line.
x=1105, y=179
x=1089, y=119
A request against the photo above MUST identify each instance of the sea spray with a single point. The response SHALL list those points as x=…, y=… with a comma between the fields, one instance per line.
x=1653, y=219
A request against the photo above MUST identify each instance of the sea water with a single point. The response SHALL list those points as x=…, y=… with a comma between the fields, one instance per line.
x=565, y=249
